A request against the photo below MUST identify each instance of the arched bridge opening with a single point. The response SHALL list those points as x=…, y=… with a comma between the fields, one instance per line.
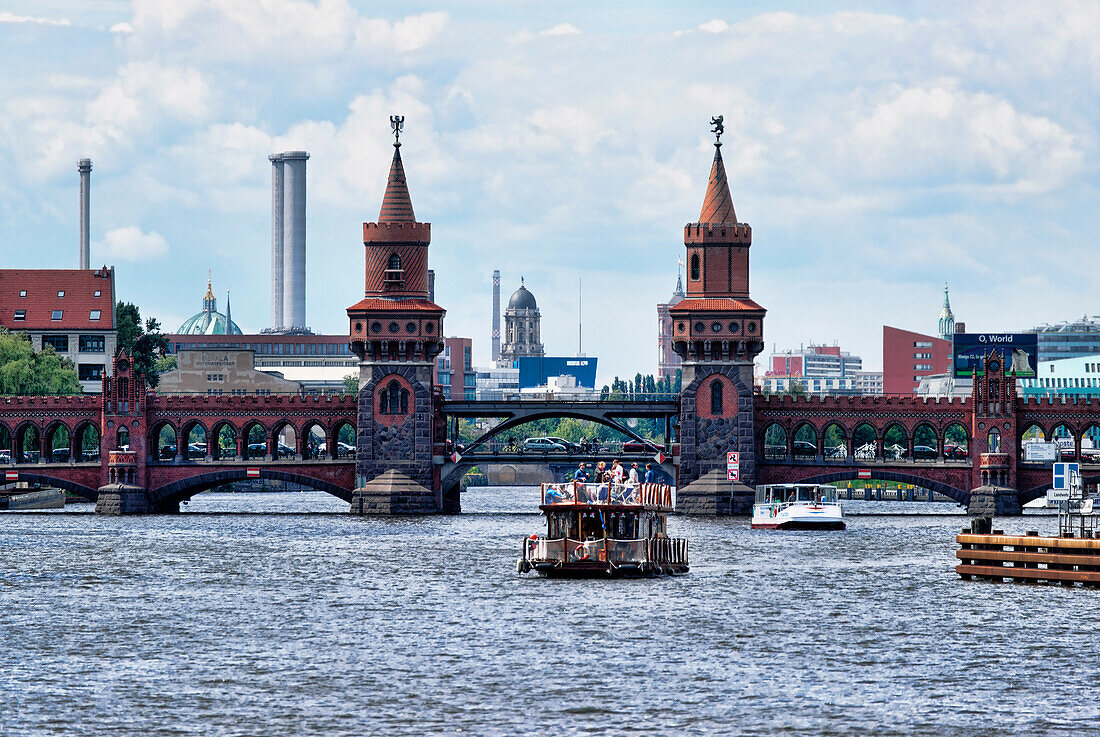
x=170, y=495
x=955, y=494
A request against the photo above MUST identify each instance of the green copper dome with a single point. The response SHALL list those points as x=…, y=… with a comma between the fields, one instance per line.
x=210, y=321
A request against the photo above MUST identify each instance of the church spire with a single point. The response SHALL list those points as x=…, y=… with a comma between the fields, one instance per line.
x=718, y=204
x=396, y=204
x=947, y=317
x=228, y=315
x=209, y=304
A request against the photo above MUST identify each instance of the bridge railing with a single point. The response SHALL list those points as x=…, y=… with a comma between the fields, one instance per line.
x=576, y=492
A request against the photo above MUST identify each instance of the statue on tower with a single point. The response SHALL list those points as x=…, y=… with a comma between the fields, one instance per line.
x=397, y=124
x=718, y=129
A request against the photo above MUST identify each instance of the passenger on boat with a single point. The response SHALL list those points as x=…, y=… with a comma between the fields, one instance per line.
x=601, y=472
x=580, y=475
x=650, y=474
x=634, y=473
x=617, y=472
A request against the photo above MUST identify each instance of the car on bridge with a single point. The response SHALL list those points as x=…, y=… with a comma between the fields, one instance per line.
x=343, y=450
x=5, y=456
x=924, y=453
x=543, y=445
x=569, y=447
x=954, y=452
x=637, y=446
x=804, y=449
x=59, y=455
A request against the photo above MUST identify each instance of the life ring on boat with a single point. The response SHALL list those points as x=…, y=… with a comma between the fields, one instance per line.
x=582, y=553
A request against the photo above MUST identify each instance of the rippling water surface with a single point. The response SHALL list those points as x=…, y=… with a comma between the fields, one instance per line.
x=273, y=614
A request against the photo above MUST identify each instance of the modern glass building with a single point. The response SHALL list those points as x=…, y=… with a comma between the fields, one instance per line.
x=1069, y=339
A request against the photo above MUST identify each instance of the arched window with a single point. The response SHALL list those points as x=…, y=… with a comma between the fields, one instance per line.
x=716, y=397
x=694, y=266
x=395, y=263
x=395, y=400
x=123, y=438
x=994, y=441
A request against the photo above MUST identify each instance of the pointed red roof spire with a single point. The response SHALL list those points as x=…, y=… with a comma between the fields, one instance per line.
x=396, y=205
x=718, y=204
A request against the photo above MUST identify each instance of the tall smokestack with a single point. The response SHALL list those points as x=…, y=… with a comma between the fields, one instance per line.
x=294, y=239
x=84, y=166
x=276, y=240
x=496, y=315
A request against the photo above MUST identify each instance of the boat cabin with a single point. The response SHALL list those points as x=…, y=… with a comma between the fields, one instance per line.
x=794, y=493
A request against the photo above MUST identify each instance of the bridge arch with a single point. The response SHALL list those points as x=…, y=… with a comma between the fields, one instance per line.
x=834, y=441
x=280, y=430
x=46, y=479
x=191, y=436
x=7, y=441
x=776, y=442
x=865, y=441
x=957, y=495
x=254, y=440
x=184, y=489
x=28, y=442
x=59, y=442
x=894, y=438
x=805, y=436
x=164, y=441
x=313, y=434
x=342, y=432
x=957, y=437
x=87, y=442
x=511, y=423
x=225, y=441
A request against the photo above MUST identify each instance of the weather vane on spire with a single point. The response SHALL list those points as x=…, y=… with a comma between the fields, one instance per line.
x=397, y=124
x=718, y=129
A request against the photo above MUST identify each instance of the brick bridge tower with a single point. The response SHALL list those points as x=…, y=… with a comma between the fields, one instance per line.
x=396, y=331
x=995, y=444
x=123, y=441
x=717, y=332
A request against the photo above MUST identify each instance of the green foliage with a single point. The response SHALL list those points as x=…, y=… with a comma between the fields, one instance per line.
x=22, y=371
x=795, y=389
x=351, y=383
x=165, y=364
x=145, y=345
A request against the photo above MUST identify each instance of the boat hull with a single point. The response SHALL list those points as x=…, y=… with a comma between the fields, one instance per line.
x=37, y=499
x=798, y=517
x=603, y=570
x=801, y=525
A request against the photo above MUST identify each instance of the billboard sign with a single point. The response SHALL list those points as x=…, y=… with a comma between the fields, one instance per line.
x=1018, y=352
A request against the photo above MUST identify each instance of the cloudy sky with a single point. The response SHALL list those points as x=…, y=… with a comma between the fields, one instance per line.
x=877, y=152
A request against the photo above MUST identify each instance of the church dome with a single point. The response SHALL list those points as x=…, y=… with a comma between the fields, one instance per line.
x=209, y=321
x=522, y=299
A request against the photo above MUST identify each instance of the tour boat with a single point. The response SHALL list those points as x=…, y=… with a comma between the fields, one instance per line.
x=797, y=507
x=604, y=530
x=22, y=499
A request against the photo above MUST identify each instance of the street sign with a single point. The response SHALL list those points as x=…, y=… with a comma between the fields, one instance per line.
x=733, y=466
x=253, y=473
x=865, y=473
x=1086, y=506
x=11, y=475
x=455, y=457
x=1063, y=473
x=1057, y=495
x=660, y=457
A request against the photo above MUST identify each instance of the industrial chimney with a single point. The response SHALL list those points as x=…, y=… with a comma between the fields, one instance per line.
x=84, y=166
x=496, y=315
x=288, y=240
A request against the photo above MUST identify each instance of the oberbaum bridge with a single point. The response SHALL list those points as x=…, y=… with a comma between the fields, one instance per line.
x=405, y=428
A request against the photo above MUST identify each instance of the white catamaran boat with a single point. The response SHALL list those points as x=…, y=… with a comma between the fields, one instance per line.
x=797, y=507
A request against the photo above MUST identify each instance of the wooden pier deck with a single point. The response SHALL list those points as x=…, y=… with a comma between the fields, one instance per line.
x=1029, y=558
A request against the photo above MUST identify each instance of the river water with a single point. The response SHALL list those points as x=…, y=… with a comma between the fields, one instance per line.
x=278, y=614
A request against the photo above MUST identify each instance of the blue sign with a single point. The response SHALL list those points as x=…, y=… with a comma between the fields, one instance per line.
x=534, y=370
x=1063, y=474
x=1017, y=352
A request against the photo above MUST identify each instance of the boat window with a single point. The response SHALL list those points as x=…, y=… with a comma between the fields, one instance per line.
x=806, y=494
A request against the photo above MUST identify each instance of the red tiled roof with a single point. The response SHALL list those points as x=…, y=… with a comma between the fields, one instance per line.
x=715, y=304
x=396, y=305
x=396, y=204
x=718, y=204
x=41, y=300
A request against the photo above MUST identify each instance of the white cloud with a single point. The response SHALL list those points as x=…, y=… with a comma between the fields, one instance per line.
x=714, y=26
x=122, y=27
x=561, y=29
x=248, y=31
x=6, y=17
x=130, y=244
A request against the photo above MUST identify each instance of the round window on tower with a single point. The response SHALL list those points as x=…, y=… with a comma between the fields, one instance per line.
x=358, y=327
x=700, y=327
x=752, y=327
x=733, y=327
x=427, y=327
x=680, y=327
x=394, y=327
x=410, y=327
x=376, y=327
x=716, y=327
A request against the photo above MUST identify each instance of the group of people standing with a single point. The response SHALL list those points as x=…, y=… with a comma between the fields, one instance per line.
x=616, y=474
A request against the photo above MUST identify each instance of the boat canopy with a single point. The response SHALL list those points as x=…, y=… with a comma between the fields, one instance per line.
x=659, y=496
x=789, y=493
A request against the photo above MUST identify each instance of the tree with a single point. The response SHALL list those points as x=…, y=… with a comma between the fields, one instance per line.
x=22, y=371
x=145, y=345
x=351, y=384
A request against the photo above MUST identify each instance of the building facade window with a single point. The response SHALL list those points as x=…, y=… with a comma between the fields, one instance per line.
x=694, y=266
x=94, y=315
x=60, y=343
x=92, y=344
x=395, y=399
x=716, y=397
x=90, y=371
x=56, y=315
